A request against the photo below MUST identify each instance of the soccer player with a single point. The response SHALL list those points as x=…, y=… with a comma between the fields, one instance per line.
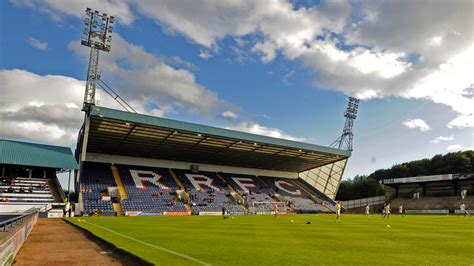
x=338, y=211
x=464, y=211
x=386, y=210
x=400, y=209
x=276, y=209
x=367, y=210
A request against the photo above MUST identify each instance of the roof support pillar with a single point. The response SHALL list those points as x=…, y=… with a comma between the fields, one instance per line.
x=69, y=186
x=82, y=156
x=85, y=137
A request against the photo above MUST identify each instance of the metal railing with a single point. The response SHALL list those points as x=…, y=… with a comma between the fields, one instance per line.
x=59, y=188
x=16, y=220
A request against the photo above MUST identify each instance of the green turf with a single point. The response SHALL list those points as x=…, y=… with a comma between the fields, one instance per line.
x=264, y=240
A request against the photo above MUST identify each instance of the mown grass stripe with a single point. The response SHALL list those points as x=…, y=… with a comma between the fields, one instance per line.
x=150, y=245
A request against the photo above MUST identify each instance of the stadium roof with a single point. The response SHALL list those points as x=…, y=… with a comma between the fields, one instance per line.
x=124, y=133
x=39, y=155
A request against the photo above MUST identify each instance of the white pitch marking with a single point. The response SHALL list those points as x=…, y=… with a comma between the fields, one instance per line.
x=151, y=245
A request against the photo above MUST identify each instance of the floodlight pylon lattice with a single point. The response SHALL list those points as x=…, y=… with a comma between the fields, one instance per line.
x=97, y=35
x=345, y=140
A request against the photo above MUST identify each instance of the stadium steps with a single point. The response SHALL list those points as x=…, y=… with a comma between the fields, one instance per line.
x=280, y=198
x=239, y=197
x=118, y=181
x=55, y=191
x=188, y=207
x=312, y=196
x=118, y=208
x=181, y=186
x=176, y=179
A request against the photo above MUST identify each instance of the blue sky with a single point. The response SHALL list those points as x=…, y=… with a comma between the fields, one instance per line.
x=278, y=68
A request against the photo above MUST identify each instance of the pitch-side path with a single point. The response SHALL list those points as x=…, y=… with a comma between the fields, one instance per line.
x=55, y=242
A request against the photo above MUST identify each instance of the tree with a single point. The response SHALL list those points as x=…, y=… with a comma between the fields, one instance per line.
x=367, y=186
x=359, y=187
x=451, y=163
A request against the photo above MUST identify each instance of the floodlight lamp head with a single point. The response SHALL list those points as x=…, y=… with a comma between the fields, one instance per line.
x=98, y=30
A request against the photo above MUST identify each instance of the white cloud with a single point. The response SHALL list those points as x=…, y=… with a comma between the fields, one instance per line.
x=38, y=131
x=254, y=128
x=449, y=84
x=32, y=114
x=462, y=121
x=375, y=61
x=58, y=10
x=370, y=49
x=417, y=123
x=360, y=49
x=229, y=114
x=204, y=54
x=206, y=23
x=287, y=77
x=146, y=79
x=454, y=147
x=436, y=41
x=28, y=110
x=38, y=44
x=442, y=138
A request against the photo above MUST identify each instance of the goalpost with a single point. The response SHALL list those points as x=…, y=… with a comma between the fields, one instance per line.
x=267, y=207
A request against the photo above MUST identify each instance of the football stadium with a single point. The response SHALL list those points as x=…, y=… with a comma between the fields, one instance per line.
x=147, y=190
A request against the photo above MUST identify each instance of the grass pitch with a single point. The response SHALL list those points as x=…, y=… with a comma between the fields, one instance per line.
x=288, y=240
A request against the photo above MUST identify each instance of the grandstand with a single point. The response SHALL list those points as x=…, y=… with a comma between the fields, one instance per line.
x=137, y=164
x=431, y=194
x=28, y=175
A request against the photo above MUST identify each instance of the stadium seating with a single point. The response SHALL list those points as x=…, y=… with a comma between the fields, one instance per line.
x=95, y=179
x=257, y=195
x=256, y=190
x=317, y=195
x=207, y=192
x=153, y=190
x=23, y=193
x=25, y=190
x=432, y=203
x=149, y=189
x=298, y=199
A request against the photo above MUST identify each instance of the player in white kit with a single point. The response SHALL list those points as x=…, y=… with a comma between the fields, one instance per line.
x=463, y=210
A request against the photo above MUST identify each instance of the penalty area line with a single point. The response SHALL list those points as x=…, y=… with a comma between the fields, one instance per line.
x=150, y=245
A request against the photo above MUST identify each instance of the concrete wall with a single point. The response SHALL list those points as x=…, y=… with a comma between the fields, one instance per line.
x=10, y=246
x=128, y=160
x=352, y=204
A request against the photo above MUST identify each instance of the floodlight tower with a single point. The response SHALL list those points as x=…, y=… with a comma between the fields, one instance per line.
x=97, y=35
x=345, y=140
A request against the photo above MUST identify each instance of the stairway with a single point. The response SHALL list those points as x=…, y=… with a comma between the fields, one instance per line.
x=181, y=186
x=188, y=207
x=176, y=179
x=314, y=199
x=239, y=197
x=118, y=181
x=55, y=191
x=307, y=192
x=118, y=208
